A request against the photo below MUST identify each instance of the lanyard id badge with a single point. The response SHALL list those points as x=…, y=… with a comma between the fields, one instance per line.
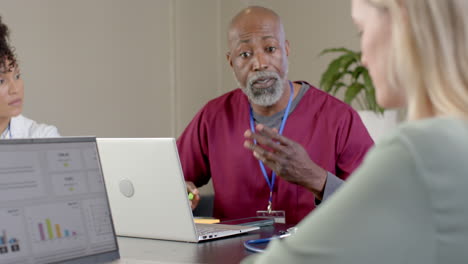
x=279, y=216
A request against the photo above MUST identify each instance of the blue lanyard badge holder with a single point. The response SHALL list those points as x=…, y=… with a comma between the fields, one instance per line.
x=279, y=216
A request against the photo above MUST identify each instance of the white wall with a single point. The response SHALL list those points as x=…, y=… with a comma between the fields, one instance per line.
x=142, y=68
x=113, y=68
x=198, y=67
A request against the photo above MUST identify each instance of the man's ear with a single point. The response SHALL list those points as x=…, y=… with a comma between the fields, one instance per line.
x=228, y=57
x=287, y=47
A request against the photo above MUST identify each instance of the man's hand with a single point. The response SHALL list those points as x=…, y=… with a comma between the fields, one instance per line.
x=192, y=189
x=287, y=158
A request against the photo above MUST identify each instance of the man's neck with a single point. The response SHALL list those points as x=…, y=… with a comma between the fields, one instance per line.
x=4, y=121
x=280, y=105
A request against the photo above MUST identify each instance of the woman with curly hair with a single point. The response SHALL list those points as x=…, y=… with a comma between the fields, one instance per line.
x=12, y=123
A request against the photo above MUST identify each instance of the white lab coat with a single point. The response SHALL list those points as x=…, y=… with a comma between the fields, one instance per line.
x=22, y=127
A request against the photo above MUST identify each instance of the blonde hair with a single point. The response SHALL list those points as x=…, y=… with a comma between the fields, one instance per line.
x=429, y=55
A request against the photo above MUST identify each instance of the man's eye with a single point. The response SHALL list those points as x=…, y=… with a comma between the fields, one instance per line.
x=271, y=49
x=18, y=76
x=245, y=54
x=2, y=81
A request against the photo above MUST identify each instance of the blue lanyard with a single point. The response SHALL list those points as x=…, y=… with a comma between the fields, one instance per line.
x=271, y=183
x=9, y=131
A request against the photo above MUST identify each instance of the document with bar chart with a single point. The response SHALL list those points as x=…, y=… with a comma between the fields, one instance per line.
x=53, y=203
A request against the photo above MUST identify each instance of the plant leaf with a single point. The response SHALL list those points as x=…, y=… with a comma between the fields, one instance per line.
x=348, y=64
x=336, y=70
x=348, y=60
x=328, y=86
x=328, y=77
x=357, y=72
x=352, y=91
x=354, y=54
x=337, y=87
x=370, y=99
x=367, y=81
x=332, y=50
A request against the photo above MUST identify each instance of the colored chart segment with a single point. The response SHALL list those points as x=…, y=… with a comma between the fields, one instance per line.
x=8, y=244
x=12, y=236
x=53, y=231
x=58, y=226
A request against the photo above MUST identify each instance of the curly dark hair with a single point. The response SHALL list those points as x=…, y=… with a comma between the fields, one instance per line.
x=7, y=53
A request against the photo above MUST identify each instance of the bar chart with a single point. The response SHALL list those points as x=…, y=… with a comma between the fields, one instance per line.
x=49, y=231
x=8, y=244
x=12, y=235
x=56, y=226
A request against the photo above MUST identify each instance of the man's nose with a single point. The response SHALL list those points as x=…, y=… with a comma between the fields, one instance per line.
x=260, y=62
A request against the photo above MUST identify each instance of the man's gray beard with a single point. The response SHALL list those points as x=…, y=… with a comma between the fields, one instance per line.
x=264, y=96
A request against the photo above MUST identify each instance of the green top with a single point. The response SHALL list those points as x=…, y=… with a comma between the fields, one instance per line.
x=407, y=203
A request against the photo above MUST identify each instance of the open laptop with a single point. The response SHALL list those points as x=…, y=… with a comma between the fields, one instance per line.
x=147, y=191
x=53, y=203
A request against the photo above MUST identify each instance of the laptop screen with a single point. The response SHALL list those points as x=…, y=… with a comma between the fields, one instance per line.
x=53, y=203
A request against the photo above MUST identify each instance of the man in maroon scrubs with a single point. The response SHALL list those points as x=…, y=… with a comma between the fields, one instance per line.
x=327, y=138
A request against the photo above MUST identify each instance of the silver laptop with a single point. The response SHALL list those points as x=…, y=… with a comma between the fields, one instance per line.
x=147, y=191
x=53, y=203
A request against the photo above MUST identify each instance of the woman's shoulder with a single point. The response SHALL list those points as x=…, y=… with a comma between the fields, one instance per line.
x=434, y=133
x=437, y=146
x=23, y=127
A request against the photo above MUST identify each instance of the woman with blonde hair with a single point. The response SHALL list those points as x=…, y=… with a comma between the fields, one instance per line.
x=12, y=123
x=407, y=202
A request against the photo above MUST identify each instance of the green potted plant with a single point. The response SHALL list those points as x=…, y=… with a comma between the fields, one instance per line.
x=347, y=73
